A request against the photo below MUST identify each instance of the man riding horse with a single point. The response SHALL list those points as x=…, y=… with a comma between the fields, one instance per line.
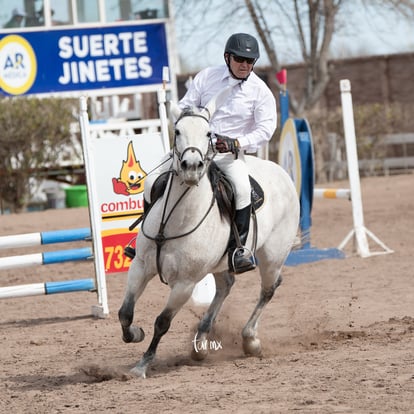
x=244, y=122
x=185, y=233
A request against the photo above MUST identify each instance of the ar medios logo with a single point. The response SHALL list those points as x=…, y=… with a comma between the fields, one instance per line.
x=18, y=66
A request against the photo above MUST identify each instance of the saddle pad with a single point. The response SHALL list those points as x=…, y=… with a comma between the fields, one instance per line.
x=257, y=193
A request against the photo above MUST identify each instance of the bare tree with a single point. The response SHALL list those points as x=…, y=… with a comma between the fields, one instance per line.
x=308, y=25
x=314, y=24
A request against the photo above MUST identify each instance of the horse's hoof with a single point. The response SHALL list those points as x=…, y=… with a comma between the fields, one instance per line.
x=252, y=346
x=199, y=355
x=139, y=371
x=134, y=334
x=199, y=351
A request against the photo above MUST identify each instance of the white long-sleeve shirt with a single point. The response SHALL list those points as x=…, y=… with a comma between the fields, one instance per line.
x=249, y=113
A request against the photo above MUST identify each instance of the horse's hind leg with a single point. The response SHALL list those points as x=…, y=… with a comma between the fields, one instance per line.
x=224, y=282
x=179, y=295
x=251, y=344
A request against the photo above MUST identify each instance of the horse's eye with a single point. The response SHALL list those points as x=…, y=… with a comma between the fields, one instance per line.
x=177, y=132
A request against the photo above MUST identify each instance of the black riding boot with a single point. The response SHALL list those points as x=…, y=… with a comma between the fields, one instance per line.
x=241, y=264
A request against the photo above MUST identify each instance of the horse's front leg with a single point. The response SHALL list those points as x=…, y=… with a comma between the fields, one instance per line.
x=224, y=282
x=179, y=295
x=137, y=281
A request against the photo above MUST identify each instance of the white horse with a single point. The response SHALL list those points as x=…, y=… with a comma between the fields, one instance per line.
x=184, y=237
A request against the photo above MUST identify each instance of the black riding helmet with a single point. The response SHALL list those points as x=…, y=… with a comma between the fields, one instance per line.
x=244, y=45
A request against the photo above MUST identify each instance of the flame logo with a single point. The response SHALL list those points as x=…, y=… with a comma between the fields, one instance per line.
x=131, y=177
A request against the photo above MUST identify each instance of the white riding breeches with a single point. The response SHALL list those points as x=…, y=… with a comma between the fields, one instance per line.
x=234, y=169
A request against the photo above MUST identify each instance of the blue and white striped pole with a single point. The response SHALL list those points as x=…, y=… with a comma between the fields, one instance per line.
x=45, y=258
x=48, y=288
x=47, y=237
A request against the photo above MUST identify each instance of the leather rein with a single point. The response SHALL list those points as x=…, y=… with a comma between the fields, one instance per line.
x=160, y=237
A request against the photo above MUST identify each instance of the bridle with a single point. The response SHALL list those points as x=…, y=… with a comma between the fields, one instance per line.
x=160, y=237
x=204, y=157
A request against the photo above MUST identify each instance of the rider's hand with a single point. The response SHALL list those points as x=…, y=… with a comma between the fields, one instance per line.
x=226, y=144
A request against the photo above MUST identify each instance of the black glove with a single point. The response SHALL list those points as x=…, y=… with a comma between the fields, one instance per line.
x=226, y=144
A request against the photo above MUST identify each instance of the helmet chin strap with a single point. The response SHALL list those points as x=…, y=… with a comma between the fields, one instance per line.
x=227, y=60
x=236, y=77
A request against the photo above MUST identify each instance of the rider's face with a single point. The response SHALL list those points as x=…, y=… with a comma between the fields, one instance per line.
x=241, y=67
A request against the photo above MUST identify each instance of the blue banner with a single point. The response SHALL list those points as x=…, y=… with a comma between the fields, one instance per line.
x=75, y=60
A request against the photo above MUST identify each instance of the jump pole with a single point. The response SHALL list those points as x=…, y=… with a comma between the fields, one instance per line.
x=332, y=193
x=46, y=237
x=47, y=288
x=359, y=232
x=46, y=258
x=43, y=258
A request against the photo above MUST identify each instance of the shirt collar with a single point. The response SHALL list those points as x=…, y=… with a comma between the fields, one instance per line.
x=226, y=77
x=226, y=74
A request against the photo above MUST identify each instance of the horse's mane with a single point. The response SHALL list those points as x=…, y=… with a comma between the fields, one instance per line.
x=193, y=111
x=189, y=110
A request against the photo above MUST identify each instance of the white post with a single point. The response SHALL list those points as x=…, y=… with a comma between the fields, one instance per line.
x=359, y=231
x=162, y=99
x=353, y=168
x=101, y=310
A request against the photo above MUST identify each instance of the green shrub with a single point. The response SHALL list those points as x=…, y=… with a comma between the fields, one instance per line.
x=34, y=133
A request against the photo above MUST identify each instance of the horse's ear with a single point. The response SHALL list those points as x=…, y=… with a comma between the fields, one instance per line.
x=218, y=100
x=175, y=111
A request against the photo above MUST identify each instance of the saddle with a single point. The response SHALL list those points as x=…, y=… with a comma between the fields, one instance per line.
x=223, y=193
x=222, y=188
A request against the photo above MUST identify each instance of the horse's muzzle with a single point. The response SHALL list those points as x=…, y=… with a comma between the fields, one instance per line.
x=192, y=172
x=192, y=166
